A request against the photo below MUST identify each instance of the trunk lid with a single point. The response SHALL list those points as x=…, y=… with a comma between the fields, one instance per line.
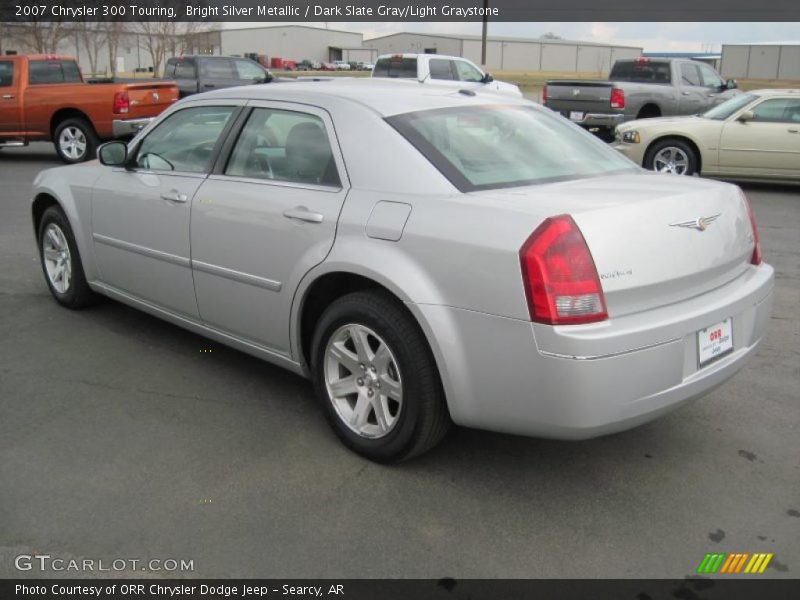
x=643, y=232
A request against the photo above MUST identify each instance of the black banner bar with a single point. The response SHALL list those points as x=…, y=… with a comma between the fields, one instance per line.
x=403, y=589
x=400, y=10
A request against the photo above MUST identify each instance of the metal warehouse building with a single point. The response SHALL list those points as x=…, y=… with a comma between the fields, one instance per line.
x=295, y=42
x=511, y=54
x=774, y=60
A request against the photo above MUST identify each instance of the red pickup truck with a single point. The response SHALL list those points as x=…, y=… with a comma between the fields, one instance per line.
x=44, y=97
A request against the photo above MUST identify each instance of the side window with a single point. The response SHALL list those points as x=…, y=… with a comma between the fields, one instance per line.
x=709, y=77
x=218, y=69
x=6, y=73
x=169, y=69
x=689, y=74
x=185, y=141
x=441, y=69
x=53, y=71
x=283, y=145
x=246, y=69
x=778, y=110
x=185, y=69
x=466, y=72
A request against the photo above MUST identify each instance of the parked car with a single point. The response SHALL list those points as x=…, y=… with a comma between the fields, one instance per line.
x=327, y=66
x=366, y=66
x=341, y=65
x=200, y=73
x=305, y=65
x=440, y=69
x=754, y=135
x=44, y=98
x=638, y=88
x=527, y=278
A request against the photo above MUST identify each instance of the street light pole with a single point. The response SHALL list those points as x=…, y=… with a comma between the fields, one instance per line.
x=485, y=29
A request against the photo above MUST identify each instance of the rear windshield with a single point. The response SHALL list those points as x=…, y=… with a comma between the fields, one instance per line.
x=53, y=71
x=396, y=67
x=487, y=147
x=641, y=72
x=727, y=108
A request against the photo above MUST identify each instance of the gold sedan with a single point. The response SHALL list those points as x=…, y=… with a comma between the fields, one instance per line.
x=752, y=136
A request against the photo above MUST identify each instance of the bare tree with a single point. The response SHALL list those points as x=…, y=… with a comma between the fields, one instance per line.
x=91, y=37
x=41, y=37
x=114, y=31
x=156, y=37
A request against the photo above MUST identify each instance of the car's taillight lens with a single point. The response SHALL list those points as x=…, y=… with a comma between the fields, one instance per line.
x=544, y=95
x=559, y=274
x=755, y=258
x=617, y=98
x=121, y=103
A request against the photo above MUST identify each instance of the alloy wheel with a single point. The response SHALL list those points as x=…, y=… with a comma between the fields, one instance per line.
x=57, y=258
x=671, y=160
x=72, y=142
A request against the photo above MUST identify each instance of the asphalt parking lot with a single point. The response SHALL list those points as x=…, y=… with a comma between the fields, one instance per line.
x=122, y=436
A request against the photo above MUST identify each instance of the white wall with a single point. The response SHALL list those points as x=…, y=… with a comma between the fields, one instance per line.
x=289, y=42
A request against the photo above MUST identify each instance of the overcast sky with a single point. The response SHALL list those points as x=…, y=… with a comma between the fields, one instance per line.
x=653, y=37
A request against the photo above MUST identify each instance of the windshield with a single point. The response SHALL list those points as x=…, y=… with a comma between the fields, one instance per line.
x=486, y=147
x=727, y=108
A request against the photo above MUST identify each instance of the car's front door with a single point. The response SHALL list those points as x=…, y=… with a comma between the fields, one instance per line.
x=140, y=214
x=768, y=145
x=694, y=95
x=264, y=218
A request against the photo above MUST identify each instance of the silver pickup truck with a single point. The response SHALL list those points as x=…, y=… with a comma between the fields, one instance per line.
x=638, y=88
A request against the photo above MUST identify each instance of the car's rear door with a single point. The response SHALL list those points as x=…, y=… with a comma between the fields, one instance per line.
x=140, y=215
x=264, y=218
x=768, y=145
x=216, y=73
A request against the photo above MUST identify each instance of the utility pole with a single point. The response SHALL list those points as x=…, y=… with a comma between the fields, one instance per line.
x=485, y=30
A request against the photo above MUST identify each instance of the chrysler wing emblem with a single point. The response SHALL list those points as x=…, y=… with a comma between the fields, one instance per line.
x=700, y=223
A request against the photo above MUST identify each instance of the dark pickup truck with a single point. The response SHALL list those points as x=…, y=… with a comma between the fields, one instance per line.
x=638, y=88
x=195, y=74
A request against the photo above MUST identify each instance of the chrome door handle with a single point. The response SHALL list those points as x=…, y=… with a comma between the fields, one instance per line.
x=301, y=213
x=175, y=196
x=8, y=97
x=685, y=93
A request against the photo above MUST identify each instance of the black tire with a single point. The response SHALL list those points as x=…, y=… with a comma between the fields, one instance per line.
x=78, y=294
x=423, y=419
x=686, y=148
x=88, y=132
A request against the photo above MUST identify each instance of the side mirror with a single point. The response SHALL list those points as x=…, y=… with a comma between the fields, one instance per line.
x=731, y=84
x=113, y=154
x=746, y=116
x=487, y=78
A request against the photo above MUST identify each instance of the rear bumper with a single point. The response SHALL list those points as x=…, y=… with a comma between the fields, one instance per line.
x=582, y=381
x=600, y=120
x=122, y=128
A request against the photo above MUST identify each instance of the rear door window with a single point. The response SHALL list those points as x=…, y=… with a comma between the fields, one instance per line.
x=6, y=73
x=282, y=145
x=218, y=69
x=185, y=69
x=53, y=71
x=442, y=69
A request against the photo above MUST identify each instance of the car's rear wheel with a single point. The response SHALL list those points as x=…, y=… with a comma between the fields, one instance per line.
x=75, y=140
x=376, y=378
x=672, y=156
x=61, y=261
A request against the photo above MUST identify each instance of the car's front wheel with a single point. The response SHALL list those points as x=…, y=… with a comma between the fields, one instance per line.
x=671, y=156
x=376, y=378
x=61, y=261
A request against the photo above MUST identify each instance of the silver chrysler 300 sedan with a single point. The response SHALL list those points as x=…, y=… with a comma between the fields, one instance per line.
x=424, y=255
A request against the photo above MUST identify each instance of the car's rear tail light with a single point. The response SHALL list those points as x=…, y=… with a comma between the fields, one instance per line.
x=544, y=94
x=755, y=258
x=617, y=98
x=561, y=282
x=121, y=103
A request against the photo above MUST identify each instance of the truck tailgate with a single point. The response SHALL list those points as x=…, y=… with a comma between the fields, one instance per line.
x=584, y=96
x=148, y=99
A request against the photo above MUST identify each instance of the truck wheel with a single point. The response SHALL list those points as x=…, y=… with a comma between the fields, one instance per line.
x=61, y=261
x=75, y=140
x=671, y=156
x=376, y=378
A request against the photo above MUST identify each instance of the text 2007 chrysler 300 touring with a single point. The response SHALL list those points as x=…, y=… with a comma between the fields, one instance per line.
x=425, y=256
